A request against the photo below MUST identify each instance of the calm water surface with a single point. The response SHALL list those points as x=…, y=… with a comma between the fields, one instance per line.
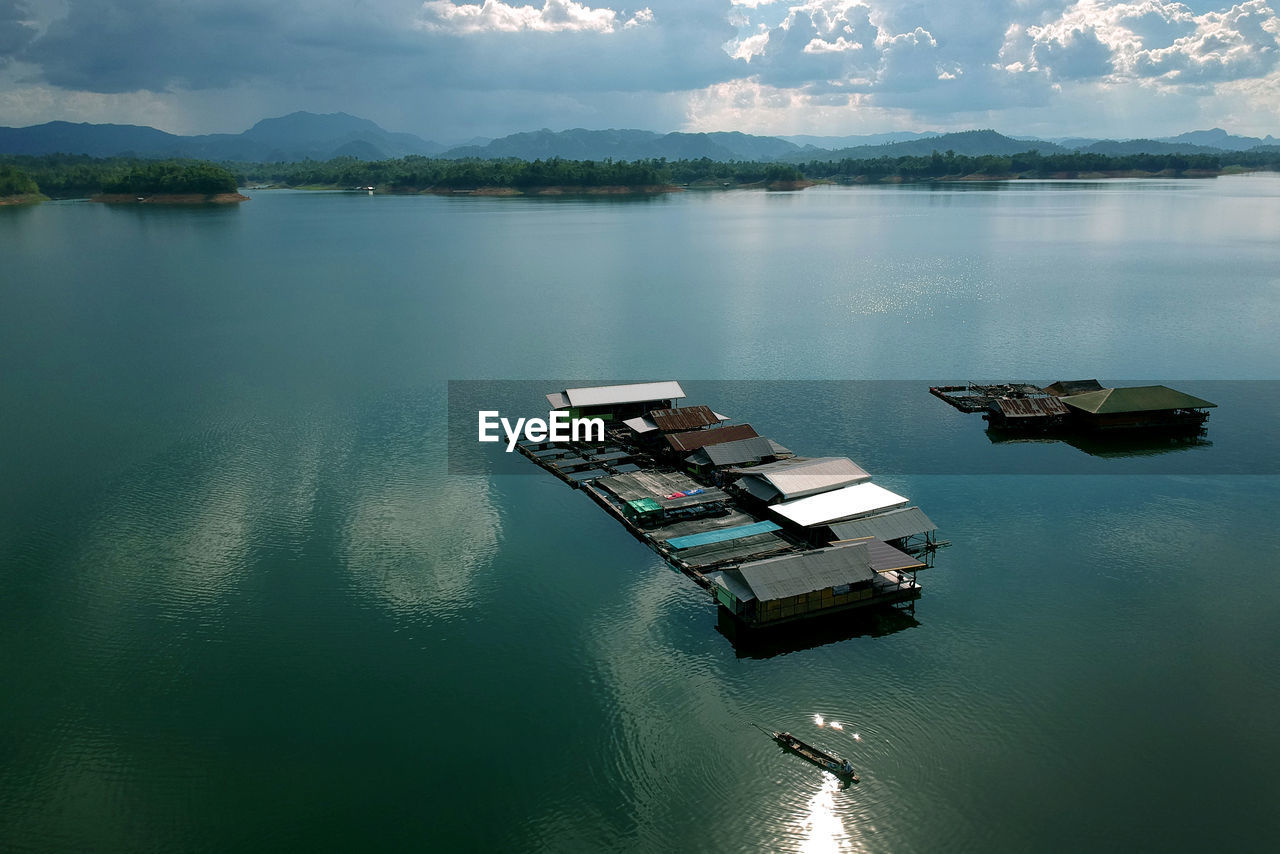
x=244, y=605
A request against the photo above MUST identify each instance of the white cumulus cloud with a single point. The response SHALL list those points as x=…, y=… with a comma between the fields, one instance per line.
x=1153, y=39
x=554, y=16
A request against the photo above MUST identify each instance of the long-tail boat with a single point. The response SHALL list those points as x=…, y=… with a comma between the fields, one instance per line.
x=842, y=768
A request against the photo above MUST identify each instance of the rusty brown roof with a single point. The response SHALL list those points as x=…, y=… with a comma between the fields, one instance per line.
x=696, y=439
x=683, y=418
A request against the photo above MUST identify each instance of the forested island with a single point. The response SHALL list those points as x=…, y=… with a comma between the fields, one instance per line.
x=171, y=182
x=117, y=179
x=17, y=187
x=125, y=179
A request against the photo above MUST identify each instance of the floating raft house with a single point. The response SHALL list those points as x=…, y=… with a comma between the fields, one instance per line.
x=771, y=536
x=1137, y=406
x=1079, y=406
x=758, y=449
x=789, y=587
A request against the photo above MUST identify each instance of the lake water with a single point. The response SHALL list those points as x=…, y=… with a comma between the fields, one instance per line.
x=245, y=605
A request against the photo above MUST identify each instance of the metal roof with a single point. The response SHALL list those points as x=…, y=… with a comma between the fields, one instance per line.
x=1029, y=407
x=860, y=499
x=611, y=395
x=558, y=400
x=669, y=489
x=732, y=581
x=1062, y=388
x=722, y=535
x=801, y=476
x=641, y=424
x=696, y=439
x=684, y=418
x=734, y=551
x=734, y=453
x=759, y=488
x=894, y=525
x=805, y=572
x=885, y=558
x=1142, y=398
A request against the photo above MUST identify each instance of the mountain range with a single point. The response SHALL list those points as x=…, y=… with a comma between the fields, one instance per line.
x=302, y=136
x=297, y=136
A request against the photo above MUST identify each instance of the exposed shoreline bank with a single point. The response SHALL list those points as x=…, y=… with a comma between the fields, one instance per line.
x=1052, y=176
x=170, y=199
x=781, y=186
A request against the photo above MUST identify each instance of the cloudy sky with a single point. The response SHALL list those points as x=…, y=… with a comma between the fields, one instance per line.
x=452, y=69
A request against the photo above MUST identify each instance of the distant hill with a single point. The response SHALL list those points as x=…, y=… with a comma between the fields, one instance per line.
x=94, y=140
x=1219, y=138
x=297, y=136
x=310, y=136
x=582, y=144
x=1120, y=148
x=1192, y=142
x=1074, y=142
x=971, y=142
x=830, y=143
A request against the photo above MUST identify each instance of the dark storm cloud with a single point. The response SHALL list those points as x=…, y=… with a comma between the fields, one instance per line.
x=584, y=61
x=118, y=46
x=126, y=45
x=15, y=32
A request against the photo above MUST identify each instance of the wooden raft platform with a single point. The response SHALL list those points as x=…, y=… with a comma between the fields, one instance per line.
x=976, y=397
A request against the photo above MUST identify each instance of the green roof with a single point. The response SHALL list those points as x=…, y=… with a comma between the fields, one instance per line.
x=1142, y=398
x=644, y=505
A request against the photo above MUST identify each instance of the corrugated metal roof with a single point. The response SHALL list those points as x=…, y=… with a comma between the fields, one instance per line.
x=805, y=572
x=641, y=424
x=883, y=557
x=696, y=439
x=558, y=400
x=860, y=499
x=733, y=453
x=669, y=489
x=779, y=450
x=722, y=535
x=759, y=488
x=1030, y=407
x=1142, y=398
x=732, y=581
x=894, y=525
x=611, y=395
x=684, y=418
x=734, y=551
x=1062, y=388
x=801, y=476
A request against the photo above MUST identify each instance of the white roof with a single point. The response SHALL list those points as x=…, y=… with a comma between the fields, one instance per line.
x=558, y=400
x=641, y=424
x=860, y=499
x=608, y=395
x=798, y=477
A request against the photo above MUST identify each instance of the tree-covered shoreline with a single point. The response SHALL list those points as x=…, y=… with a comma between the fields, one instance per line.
x=66, y=176
x=70, y=176
x=17, y=186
